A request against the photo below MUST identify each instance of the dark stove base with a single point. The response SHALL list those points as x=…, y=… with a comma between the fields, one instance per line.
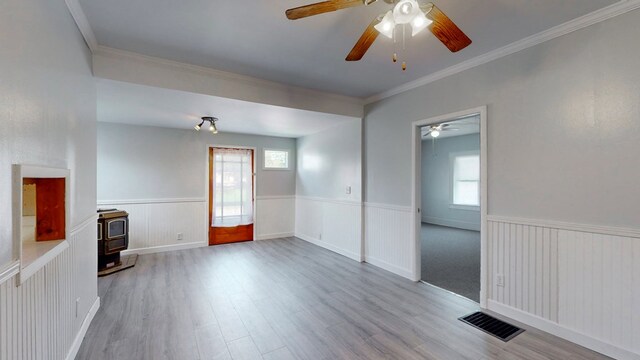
x=126, y=262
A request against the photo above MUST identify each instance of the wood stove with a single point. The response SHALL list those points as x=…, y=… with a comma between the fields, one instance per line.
x=113, y=237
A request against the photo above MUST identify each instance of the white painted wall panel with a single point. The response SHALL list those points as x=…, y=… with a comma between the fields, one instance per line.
x=527, y=258
x=38, y=319
x=333, y=224
x=599, y=275
x=388, y=242
x=578, y=284
x=48, y=112
x=275, y=217
x=155, y=224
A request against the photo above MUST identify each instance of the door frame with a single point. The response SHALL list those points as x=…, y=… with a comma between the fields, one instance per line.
x=416, y=191
x=255, y=186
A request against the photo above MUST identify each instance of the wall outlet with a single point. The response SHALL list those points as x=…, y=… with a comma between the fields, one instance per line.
x=500, y=280
x=348, y=190
x=77, y=306
x=180, y=237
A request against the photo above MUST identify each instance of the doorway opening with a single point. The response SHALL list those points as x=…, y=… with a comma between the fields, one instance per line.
x=450, y=202
x=231, y=195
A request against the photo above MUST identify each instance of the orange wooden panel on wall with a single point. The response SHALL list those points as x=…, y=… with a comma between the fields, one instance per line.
x=50, y=208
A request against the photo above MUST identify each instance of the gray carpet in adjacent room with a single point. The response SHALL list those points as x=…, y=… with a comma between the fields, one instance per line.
x=451, y=259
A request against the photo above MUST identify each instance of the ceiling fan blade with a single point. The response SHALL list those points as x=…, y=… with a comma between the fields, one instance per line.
x=320, y=8
x=368, y=37
x=450, y=129
x=445, y=30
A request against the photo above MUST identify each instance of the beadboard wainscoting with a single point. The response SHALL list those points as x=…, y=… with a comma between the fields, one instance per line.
x=275, y=217
x=154, y=224
x=579, y=282
x=48, y=315
x=388, y=241
x=332, y=224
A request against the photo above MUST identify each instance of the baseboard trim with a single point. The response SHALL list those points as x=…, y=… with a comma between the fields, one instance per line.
x=77, y=342
x=561, y=331
x=351, y=255
x=451, y=223
x=164, y=248
x=405, y=273
x=274, y=236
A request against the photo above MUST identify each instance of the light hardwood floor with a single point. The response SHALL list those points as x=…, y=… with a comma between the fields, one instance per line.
x=288, y=299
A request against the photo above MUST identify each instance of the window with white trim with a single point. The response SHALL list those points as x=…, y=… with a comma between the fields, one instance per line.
x=276, y=159
x=466, y=179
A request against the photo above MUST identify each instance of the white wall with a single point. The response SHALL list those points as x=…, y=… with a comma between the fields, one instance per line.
x=328, y=163
x=48, y=112
x=562, y=135
x=436, y=182
x=145, y=162
x=152, y=171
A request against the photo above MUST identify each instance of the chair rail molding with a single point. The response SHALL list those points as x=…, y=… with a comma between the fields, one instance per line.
x=560, y=225
x=9, y=271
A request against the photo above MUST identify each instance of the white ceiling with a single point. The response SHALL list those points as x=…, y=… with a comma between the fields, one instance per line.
x=254, y=37
x=120, y=102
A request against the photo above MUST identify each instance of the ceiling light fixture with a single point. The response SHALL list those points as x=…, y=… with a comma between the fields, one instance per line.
x=404, y=12
x=212, y=124
x=417, y=14
x=407, y=12
x=386, y=25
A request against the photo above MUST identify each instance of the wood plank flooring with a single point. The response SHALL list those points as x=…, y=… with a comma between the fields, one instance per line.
x=288, y=299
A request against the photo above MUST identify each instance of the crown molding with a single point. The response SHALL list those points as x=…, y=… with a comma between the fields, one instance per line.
x=83, y=23
x=220, y=74
x=608, y=12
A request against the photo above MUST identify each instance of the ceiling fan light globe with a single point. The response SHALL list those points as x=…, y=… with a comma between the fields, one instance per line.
x=197, y=127
x=419, y=23
x=435, y=133
x=405, y=11
x=386, y=25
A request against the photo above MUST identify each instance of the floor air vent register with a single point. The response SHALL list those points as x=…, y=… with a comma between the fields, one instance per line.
x=492, y=326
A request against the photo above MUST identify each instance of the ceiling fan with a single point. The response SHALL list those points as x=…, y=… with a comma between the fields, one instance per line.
x=436, y=130
x=404, y=12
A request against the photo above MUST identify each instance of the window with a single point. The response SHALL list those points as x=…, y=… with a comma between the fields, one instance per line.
x=466, y=179
x=276, y=159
